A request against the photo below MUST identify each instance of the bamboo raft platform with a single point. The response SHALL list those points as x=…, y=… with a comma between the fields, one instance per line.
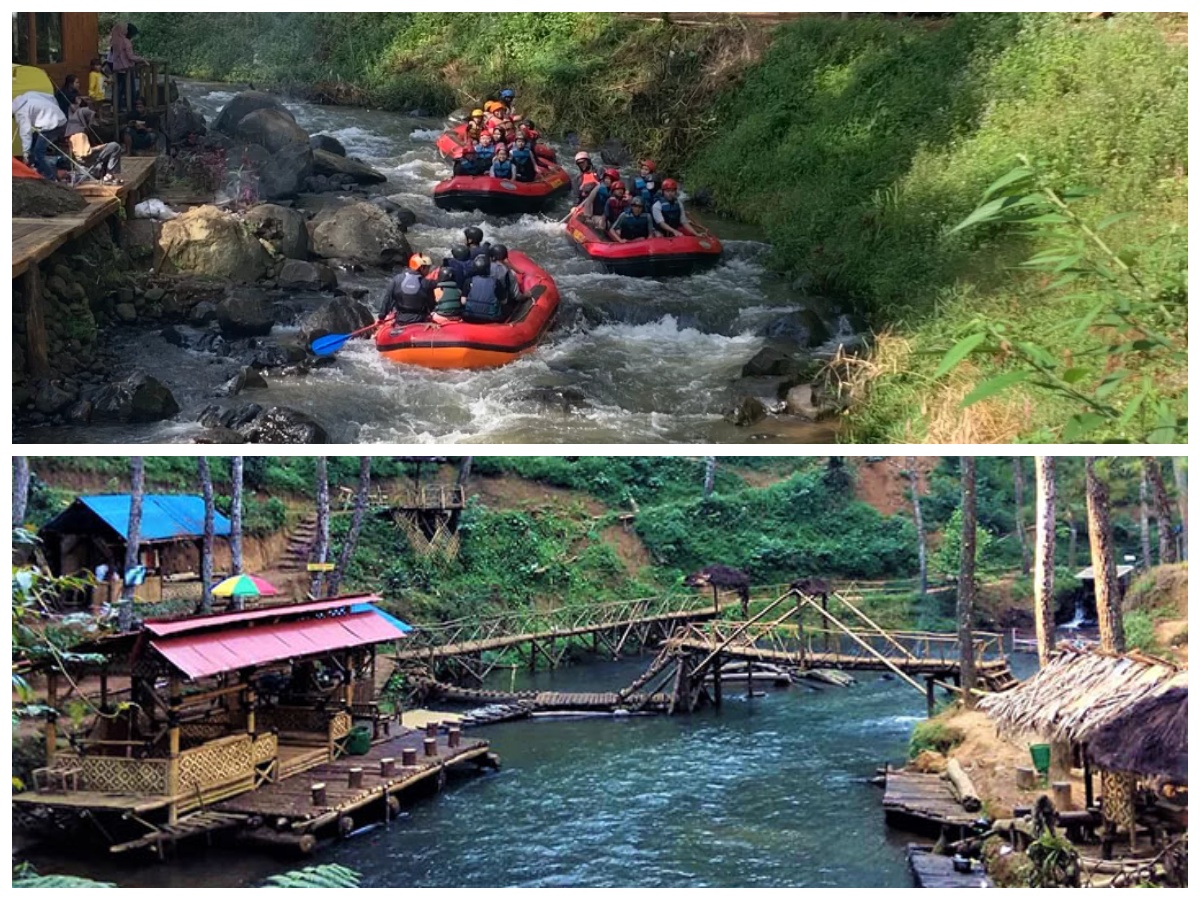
x=931, y=870
x=342, y=795
x=531, y=702
x=924, y=803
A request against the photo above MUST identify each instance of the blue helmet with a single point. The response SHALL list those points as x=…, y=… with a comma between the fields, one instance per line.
x=507, y=94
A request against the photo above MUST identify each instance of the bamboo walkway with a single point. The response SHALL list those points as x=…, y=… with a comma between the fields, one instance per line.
x=930, y=870
x=925, y=803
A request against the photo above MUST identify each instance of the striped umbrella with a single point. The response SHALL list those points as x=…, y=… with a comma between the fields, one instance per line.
x=244, y=586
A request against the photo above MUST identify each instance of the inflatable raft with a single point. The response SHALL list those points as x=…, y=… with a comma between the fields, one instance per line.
x=456, y=138
x=464, y=345
x=502, y=196
x=655, y=256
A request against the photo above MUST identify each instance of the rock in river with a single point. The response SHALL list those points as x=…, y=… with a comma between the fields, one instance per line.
x=341, y=315
x=284, y=229
x=246, y=313
x=138, y=398
x=327, y=164
x=296, y=275
x=359, y=231
x=210, y=241
x=273, y=425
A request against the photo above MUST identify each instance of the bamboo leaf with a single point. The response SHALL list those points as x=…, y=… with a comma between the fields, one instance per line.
x=994, y=386
x=984, y=213
x=1020, y=173
x=1073, y=376
x=958, y=353
x=1079, y=425
x=1111, y=220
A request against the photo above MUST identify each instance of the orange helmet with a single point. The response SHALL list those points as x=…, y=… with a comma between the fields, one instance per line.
x=417, y=260
x=492, y=106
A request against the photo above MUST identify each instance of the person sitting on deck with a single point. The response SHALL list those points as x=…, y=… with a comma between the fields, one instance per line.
x=447, y=297
x=502, y=166
x=523, y=160
x=140, y=133
x=466, y=162
x=615, y=204
x=409, y=296
x=482, y=303
x=645, y=183
x=67, y=94
x=485, y=149
x=102, y=161
x=41, y=125
x=475, y=244
x=459, y=262
x=587, y=175
x=96, y=81
x=634, y=224
x=668, y=212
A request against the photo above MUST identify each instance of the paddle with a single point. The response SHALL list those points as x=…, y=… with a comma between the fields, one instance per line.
x=332, y=343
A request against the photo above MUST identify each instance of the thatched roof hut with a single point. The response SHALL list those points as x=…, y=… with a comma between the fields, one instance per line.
x=1149, y=738
x=1079, y=692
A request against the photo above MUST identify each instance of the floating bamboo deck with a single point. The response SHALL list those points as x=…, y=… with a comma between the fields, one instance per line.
x=925, y=803
x=930, y=870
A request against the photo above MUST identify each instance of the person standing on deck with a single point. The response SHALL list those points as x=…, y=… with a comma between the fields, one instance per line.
x=40, y=124
x=123, y=60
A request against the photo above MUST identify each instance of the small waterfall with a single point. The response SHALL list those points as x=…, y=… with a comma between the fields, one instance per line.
x=1079, y=618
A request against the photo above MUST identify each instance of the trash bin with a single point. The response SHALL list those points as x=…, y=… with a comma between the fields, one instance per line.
x=359, y=741
x=1040, y=754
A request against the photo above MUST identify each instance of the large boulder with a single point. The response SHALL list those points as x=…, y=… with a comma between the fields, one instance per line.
x=245, y=313
x=327, y=164
x=361, y=232
x=297, y=275
x=771, y=361
x=183, y=121
x=328, y=143
x=285, y=230
x=273, y=425
x=341, y=315
x=746, y=411
x=138, y=398
x=290, y=156
x=242, y=105
x=209, y=241
x=404, y=217
x=802, y=327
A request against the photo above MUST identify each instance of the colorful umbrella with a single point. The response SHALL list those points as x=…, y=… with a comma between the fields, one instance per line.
x=244, y=586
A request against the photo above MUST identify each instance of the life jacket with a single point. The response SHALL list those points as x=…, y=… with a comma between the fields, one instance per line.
x=468, y=167
x=449, y=300
x=647, y=190
x=502, y=169
x=485, y=154
x=631, y=227
x=482, y=303
x=613, y=208
x=461, y=269
x=485, y=247
x=672, y=212
x=522, y=160
x=587, y=181
x=600, y=201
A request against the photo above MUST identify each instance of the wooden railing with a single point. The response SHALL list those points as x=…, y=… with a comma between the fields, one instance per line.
x=119, y=774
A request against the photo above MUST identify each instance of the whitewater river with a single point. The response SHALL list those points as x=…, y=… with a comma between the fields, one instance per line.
x=766, y=793
x=628, y=360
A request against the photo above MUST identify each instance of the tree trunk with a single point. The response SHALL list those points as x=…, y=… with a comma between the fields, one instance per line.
x=321, y=550
x=1019, y=512
x=1162, y=510
x=914, y=478
x=464, y=471
x=1179, y=467
x=1104, y=563
x=20, y=491
x=1043, y=582
x=206, y=547
x=235, y=513
x=966, y=585
x=360, y=509
x=710, y=475
x=133, y=537
x=1144, y=519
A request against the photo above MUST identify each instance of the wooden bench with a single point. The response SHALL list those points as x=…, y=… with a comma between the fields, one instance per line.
x=52, y=780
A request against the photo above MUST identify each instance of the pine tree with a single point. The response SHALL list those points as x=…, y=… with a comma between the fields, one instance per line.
x=360, y=509
x=20, y=490
x=966, y=585
x=1104, y=564
x=206, y=546
x=1162, y=510
x=321, y=550
x=236, y=477
x=133, y=538
x=1043, y=583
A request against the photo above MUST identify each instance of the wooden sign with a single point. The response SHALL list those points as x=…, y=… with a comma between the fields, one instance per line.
x=321, y=567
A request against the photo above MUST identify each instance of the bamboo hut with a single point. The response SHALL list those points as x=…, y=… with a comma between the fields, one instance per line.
x=1081, y=697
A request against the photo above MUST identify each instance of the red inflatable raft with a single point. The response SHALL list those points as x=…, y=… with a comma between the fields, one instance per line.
x=655, y=256
x=502, y=196
x=456, y=139
x=472, y=346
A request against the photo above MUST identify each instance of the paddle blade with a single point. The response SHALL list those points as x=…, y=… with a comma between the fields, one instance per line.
x=330, y=344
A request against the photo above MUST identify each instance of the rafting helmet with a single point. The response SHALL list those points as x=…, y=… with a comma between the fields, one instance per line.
x=477, y=114
x=445, y=273
x=460, y=252
x=648, y=164
x=614, y=174
x=618, y=187
x=414, y=261
x=582, y=155
x=670, y=184
x=499, y=251
x=473, y=234
x=508, y=94
x=481, y=265
x=637, y=201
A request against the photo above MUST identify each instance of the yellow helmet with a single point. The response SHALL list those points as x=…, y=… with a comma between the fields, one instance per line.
x=476, y=113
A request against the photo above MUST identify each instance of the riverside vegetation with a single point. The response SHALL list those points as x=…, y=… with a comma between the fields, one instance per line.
x=857, y=145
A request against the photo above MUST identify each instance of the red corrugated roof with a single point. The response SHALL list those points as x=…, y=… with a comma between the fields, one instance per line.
x=199, y=655
x=198, y=623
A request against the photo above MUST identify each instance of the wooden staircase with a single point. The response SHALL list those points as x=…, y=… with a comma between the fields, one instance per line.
x=300, y=545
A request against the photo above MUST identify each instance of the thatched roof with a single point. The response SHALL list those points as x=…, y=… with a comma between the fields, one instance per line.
x=1149, y=738
x=1078, y=692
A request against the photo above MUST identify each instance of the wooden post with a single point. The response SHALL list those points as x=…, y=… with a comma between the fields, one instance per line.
x=408, y=756
x=532, y=657
x=251, y=705
x=929, y=698
x=1060, y=791
x=1026, y=778
x=431, y=747
x=355, y=777
x=716, y=669
x=431, y=729
x=749, y=680
x=52, y=716
x=35, y=323
x=173, y=739
x=387, y=767
x=319, y=795
x=454, y=738
x=1089, y=788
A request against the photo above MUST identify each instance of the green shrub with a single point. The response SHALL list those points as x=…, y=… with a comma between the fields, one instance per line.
x=934, y=735
x=1139, y=630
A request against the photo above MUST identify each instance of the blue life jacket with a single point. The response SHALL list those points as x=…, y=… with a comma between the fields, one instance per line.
x=502, y=169
x=631, y=226
x=645, y=189
x=522, y=160
x=485, y=154
x=600, y=201
x=672, y=212
x=485, y=247
x=482, y=304
x=469, y=167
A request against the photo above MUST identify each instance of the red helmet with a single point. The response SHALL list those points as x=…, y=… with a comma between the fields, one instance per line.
x=614, y=174
x=670, y=184
x=649, y=164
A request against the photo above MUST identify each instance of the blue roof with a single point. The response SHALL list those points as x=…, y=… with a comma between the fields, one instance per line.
x=164, y=516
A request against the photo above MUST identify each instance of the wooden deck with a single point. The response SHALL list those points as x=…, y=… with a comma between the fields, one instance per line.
x=36, y=238
x=930, y=870
x=137, y=803
x=925, y=803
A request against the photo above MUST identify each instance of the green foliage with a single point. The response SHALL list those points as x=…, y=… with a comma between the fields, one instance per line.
x=934, y=735
x=33, y=880
x=327, y=875
x=1136, y=313
x=1055, y=862
x=948, y=556
x=259, y=517
x=1139, y=631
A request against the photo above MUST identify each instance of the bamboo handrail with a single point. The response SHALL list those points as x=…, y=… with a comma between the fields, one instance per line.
x=883, y=659
x=736, y=633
